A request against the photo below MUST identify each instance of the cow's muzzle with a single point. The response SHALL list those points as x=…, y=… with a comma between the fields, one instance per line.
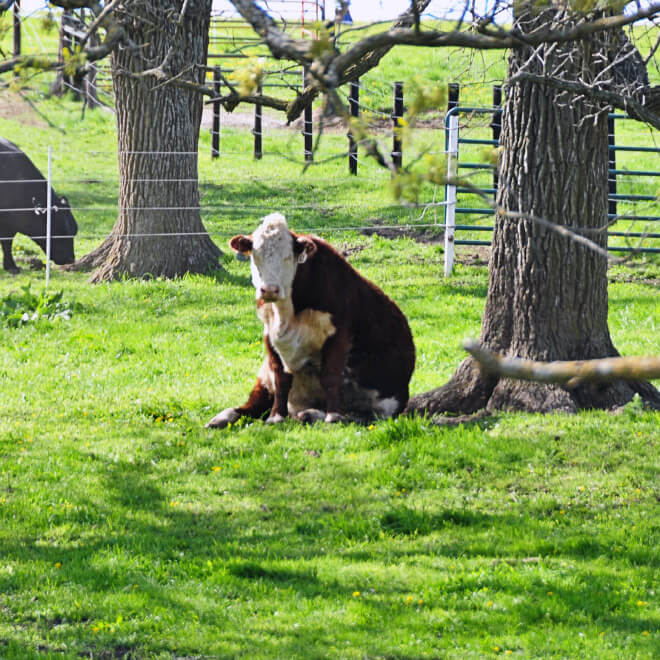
x=269, y=293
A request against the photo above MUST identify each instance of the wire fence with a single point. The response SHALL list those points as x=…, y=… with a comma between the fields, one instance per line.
x=631, y=197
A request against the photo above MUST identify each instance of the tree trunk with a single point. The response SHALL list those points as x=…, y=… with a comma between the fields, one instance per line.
x=159, y=231
x=547, y=294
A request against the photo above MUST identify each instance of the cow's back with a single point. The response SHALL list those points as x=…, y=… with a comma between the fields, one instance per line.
x=21, y=181
x=382, y=353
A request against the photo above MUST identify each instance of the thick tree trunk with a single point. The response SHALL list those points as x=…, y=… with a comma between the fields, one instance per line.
x=159, y=231
x=547, y=294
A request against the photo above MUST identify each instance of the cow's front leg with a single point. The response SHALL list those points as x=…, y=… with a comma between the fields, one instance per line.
x=259, y=401
x=280, y=408
x=8, y=262
x=282, y=386
x=333, y=362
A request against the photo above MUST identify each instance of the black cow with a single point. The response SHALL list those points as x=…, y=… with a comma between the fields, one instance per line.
x=23, y=202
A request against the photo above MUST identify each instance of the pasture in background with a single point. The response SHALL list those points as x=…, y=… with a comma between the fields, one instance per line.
x=128, y=530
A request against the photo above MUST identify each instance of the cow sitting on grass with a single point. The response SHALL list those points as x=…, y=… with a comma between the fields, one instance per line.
x=336, y=346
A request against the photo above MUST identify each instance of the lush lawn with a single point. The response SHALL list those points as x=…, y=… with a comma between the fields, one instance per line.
x=128, y=530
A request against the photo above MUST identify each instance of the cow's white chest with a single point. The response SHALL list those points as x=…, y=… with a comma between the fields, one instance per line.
x=297, y=338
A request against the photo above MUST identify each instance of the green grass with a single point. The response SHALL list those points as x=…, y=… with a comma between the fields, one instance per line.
x=127, y=530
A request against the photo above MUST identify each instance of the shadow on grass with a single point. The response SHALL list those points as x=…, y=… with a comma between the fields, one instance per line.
x=268, y=534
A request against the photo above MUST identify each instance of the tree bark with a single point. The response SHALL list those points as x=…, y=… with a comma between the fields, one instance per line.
x=159, y=231
x=547, y=294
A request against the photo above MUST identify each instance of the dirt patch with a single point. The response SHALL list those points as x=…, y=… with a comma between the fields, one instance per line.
x=477, y=256
x=12, y=106
x=243, y=117
x=429, y=235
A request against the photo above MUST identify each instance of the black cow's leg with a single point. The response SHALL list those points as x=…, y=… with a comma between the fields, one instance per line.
x=8, y=262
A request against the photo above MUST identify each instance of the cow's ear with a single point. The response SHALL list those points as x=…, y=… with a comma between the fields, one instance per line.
x=305, y=248
x=242, y=244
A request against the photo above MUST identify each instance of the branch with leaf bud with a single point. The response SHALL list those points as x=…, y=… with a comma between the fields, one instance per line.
x=565, y=373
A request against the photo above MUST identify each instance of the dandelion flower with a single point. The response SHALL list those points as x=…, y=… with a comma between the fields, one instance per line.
x=356, y=594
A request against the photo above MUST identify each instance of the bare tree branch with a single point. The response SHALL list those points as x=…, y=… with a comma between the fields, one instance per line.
x=569, y=373
x=362, y=66
x=630, y=105
x=98, y=21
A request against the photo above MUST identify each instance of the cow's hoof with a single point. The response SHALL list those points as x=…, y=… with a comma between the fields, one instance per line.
x=275, y=419
x=311, y=415
x=224, y=418
x=334, y=417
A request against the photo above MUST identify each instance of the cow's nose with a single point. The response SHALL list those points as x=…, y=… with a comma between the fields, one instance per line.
x=270, y=292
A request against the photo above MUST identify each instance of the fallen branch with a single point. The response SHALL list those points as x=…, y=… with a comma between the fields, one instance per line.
x=568, y=373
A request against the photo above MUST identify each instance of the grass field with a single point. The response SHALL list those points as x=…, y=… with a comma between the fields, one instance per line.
x=127, y=530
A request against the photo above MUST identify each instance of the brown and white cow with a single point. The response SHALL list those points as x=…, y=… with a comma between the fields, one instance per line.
x=336, y=346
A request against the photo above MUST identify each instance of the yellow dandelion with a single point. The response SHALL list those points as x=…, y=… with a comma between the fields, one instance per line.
x=370, y=427
x=581, y=488
x=489, y=603
x=561, y=512
x=356, y=594
x=641, y=603
x=549, y=593
x=420, y=602
x=216, y=468
x=496, y=649
x=645, y=632
x=58, y=564
x=409, y=599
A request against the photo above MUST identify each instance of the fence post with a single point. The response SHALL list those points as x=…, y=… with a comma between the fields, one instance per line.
x=257, y=128
x=496, y=125
x=49, y=212
x=308, y=128
x=354, y=104
x=215, y=130
x=454, y=91
x=397, y=156
x=611, y=174
x=17, y=28
x=450, y=190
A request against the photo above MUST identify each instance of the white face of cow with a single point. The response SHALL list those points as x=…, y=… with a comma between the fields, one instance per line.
x=274, y=256
x=272, y=261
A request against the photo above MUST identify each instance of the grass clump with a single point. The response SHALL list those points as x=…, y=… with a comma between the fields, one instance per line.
x=19, y=308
